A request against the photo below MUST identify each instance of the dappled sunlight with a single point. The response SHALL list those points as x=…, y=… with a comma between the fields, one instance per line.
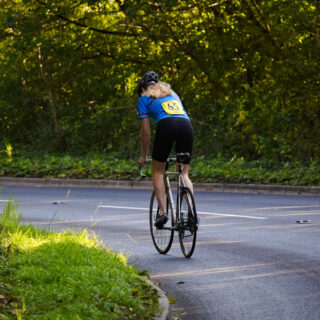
x=213, y=242
x=28, y=239
x=60, y=272
x=200, y=272
x=217, y=242
x=293, y=227
x=221, y=283
x=24, y=242
x=204, y=225
x=256, y=270
x=92, y=219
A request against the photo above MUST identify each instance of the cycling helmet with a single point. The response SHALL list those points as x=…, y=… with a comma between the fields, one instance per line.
x=149, y=78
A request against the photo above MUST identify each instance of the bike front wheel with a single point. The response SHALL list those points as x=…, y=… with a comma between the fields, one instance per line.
x=162, y=238
x=188, y=222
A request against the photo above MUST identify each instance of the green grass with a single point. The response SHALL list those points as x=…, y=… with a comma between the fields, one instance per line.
x=203, y=169
x=69, y=275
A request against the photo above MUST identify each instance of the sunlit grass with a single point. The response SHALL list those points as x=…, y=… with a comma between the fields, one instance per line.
x=69, y=275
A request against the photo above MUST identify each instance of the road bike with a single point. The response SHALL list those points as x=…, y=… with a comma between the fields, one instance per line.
x=182, y=215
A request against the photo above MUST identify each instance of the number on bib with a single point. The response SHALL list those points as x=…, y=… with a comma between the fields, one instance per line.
x=172, y=107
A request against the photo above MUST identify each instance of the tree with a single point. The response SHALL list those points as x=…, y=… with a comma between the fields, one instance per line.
x=247, y=72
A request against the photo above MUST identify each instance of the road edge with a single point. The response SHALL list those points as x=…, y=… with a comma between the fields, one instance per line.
x=209, y=187
x=164, y=304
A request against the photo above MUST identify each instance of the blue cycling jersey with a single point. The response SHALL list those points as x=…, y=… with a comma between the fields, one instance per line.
x=158, y=109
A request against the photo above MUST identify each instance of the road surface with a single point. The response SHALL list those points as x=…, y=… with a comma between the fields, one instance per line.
x=252, y=259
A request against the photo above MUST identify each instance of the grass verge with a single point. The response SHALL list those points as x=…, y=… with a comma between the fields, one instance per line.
x=69, y=275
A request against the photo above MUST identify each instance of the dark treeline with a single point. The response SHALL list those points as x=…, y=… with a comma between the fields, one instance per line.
x=247, y=72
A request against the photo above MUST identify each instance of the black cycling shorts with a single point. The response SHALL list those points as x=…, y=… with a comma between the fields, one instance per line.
x=170, y=130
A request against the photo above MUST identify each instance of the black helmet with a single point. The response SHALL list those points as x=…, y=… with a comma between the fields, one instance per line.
x=149, y=78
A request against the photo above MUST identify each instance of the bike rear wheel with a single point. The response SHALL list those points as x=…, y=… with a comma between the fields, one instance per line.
x=162, y=238
x=188, y=222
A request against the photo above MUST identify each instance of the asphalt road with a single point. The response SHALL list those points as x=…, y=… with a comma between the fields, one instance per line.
x=252, y=260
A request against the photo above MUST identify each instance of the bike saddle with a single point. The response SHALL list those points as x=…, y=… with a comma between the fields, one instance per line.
x=183, y=157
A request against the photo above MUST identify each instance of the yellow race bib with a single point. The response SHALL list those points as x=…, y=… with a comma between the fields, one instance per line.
x=172, y=107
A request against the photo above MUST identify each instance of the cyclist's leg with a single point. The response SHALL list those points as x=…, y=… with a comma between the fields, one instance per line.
x=185, y=175
x=158, y=184
x=161, y=149
x=184, y=143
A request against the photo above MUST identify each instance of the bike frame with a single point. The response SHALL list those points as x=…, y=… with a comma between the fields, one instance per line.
x=185, y=223
x=181, y=183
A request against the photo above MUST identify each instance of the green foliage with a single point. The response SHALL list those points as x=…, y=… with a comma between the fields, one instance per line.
x=211, y=170
x=9, y=217
x=247, y=72
x=69, y=167
x=264, y=172
x=46, y=275
x=9, y=151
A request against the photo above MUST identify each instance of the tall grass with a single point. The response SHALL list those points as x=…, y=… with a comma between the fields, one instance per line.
x=9, y=217
x=69, y=275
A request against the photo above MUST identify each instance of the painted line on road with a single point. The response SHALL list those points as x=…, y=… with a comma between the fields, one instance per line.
x=128, y=208
x=231, y=215
x=199, y=212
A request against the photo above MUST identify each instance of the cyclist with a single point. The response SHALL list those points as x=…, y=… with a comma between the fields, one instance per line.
x=161, y=103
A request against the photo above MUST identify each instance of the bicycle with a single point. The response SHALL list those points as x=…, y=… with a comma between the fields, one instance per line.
x=183, y=216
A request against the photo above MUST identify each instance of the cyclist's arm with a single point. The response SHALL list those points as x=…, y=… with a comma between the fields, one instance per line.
x=145, y=140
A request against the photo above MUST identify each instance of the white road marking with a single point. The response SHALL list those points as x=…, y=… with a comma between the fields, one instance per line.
x=119, y=207
x=231, y=215
x=199, y=212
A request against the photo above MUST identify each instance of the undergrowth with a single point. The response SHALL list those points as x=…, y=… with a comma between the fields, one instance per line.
x=203, y=169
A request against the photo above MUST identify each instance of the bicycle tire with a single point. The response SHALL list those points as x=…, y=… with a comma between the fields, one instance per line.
x=162, y=238
x=188, y=222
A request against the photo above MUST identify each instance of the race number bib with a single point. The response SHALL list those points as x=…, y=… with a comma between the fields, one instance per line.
x=172, y=107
